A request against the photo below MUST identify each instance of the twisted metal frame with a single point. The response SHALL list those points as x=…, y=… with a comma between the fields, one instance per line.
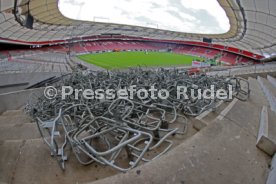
x=103, y=130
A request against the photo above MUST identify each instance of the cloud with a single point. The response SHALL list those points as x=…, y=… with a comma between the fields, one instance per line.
x=196, y=16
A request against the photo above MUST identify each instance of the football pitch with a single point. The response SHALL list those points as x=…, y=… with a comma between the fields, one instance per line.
x=120, y=60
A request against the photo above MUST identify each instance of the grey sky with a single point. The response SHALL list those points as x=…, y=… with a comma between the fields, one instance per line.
x=194, y=16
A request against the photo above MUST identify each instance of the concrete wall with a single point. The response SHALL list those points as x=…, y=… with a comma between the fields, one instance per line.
x=17, y=78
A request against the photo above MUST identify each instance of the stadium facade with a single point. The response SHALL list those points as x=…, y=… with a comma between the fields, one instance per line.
x=39, y=22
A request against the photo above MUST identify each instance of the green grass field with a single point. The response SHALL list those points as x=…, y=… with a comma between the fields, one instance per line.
x=118, y=60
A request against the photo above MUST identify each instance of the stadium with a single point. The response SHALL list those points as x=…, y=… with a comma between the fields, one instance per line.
x=173, y=137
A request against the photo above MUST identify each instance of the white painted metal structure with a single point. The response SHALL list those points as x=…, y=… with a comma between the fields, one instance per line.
x=253, y=25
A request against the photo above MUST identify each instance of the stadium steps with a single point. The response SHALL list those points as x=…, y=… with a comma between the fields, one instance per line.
x=223, y=151
x=256, y=92
x=14, y=117
x=272, y=80
x=24, y=157
x=266, y=140
x=247, y=114
x=29, y=161
x=15, y=125
x=212, y=149
x=256, y=97
x=208, y=116
x=272, y=174
x=269, y=91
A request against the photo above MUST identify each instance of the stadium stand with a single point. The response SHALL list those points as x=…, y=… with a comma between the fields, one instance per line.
x=30, y=62
x=111, y=45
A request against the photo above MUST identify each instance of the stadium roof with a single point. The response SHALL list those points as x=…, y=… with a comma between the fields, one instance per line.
x=196, y=16
x=252, y=25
